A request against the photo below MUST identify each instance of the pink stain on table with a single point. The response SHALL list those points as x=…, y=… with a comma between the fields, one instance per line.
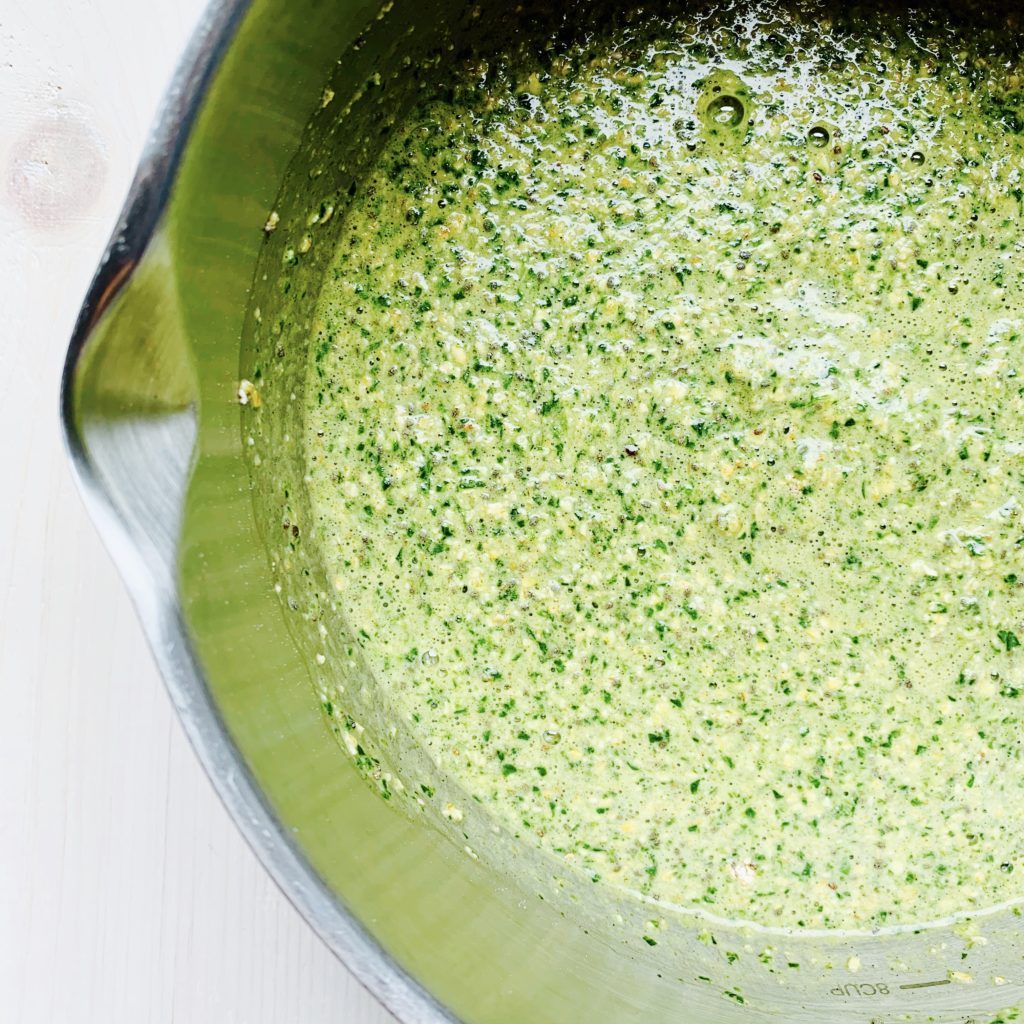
x=56, y=170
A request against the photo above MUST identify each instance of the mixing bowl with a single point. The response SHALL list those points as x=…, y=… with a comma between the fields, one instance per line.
x=182, y=412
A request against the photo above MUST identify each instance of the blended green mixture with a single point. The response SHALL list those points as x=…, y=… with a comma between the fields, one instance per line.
x=665, y=437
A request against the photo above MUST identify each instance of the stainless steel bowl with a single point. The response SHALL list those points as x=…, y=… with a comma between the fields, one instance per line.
x=276, y=108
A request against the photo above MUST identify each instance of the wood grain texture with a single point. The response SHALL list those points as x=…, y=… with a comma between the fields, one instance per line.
x=126, y=894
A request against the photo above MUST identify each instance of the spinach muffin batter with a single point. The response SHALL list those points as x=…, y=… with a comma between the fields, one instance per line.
x=665, y=437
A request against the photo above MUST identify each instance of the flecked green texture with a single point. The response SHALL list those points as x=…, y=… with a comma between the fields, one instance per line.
x=665, y=435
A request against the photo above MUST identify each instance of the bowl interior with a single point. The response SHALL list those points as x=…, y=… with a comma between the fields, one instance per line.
x=211, y=521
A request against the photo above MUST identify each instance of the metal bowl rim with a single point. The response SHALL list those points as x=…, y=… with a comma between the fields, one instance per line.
x=153, y=593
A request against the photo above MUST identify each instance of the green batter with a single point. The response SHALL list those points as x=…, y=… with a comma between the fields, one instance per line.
x=665, y=437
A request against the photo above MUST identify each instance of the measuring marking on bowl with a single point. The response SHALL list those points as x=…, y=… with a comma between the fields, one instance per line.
x=926, y=984
x=882, y=988
x=866, y=988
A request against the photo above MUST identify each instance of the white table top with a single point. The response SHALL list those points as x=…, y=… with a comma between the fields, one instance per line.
x=126, y=895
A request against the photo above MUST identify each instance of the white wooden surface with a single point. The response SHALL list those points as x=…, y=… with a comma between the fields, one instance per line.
x=125, y=893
